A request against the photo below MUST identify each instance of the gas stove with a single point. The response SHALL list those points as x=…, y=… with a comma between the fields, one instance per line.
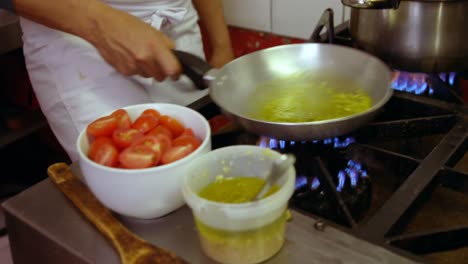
x=401, y=180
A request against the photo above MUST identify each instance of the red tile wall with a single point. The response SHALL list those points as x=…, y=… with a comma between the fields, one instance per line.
x=245, y=41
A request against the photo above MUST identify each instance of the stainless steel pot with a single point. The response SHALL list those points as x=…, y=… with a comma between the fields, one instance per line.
x=419, y=36
x=232, y=87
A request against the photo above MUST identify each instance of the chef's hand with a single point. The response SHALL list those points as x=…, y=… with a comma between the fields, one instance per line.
x=133, y=47
x=128, y=44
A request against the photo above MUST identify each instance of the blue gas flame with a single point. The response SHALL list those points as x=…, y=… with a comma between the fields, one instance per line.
x=448, y=77
x=411, y=82
x=341, y=181
x=337, y=143
x=417, y=83
x=315, y=183
x=354, y=172
x=301, y=181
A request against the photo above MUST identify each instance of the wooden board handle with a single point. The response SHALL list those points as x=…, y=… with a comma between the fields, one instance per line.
x=132, y=249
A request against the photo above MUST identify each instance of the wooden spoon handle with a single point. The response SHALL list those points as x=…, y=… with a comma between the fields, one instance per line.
x=120, y=237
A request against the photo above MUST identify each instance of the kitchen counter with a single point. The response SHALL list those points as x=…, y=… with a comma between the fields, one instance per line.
x=45, y=227
x=10, y=32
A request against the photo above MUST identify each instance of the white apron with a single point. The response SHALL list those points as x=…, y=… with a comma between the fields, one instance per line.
x=74, y=85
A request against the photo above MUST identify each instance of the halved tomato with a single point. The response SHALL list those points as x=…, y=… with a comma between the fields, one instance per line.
x=119, y=165
x=176, y=153
x=104, y=152
x=153, y=142
x=187, y=132
x=138, y=157
x=145, y=123
x=160, y=129
x=96, y=144
x=173, y=124
x=123, y=118
x=165, y=141
x=102, y=127
x=152, y=112
x=124, y=137
x=186, y=140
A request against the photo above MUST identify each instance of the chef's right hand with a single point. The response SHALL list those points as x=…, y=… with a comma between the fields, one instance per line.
x=133, y=47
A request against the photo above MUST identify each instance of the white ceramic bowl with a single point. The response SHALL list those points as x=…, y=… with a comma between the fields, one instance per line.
x=144, y=193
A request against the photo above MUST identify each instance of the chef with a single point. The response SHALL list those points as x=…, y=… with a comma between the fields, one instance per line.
x=89, y=57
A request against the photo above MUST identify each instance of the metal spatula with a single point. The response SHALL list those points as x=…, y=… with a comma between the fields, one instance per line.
x=278, y=168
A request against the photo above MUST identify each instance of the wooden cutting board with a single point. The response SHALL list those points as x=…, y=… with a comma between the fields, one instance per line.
x=131, y=248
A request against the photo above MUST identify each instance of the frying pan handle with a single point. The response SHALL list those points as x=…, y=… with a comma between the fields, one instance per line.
x=194, y=67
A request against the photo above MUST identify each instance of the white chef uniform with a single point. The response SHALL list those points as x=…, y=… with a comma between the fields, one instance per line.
x=74, y=85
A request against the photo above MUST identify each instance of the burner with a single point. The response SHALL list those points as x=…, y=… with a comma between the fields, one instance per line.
x=416, y=83
x=272, y=143
x=317, y=194
x=448, y=77
x=441, y=86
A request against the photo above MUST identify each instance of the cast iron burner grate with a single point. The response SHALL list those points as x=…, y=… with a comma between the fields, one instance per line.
x=405, y=163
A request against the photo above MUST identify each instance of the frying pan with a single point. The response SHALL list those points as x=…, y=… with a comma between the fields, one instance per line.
x=232, y=86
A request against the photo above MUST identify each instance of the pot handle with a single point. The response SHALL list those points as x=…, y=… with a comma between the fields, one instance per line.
x=372, y=4
x=194, y=67
x=325, y=21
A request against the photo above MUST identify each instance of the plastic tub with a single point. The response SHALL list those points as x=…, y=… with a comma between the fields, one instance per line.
x=238, y=233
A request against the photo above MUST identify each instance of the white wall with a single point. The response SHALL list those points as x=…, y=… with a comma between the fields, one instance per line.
x=251, y=14
x=347, y=13
x=293, y=18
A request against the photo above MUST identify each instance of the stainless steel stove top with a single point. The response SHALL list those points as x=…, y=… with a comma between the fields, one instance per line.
x=44, y=227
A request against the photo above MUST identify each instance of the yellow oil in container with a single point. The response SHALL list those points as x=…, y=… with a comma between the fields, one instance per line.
x=234, y=189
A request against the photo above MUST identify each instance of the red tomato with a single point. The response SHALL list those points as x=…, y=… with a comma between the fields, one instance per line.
x=188, y=132
x=138, y=157
x=160, y=129
x=145, y=123
x=176, y=153
x=173, y=124
x=102, y=127
x=153, y=142
x=104, y=152
x=119, y=165
x=96, y=144
x=123, y=118
x=186, y=140
x=152, y=112
x=124, y=137
x=165, y=141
